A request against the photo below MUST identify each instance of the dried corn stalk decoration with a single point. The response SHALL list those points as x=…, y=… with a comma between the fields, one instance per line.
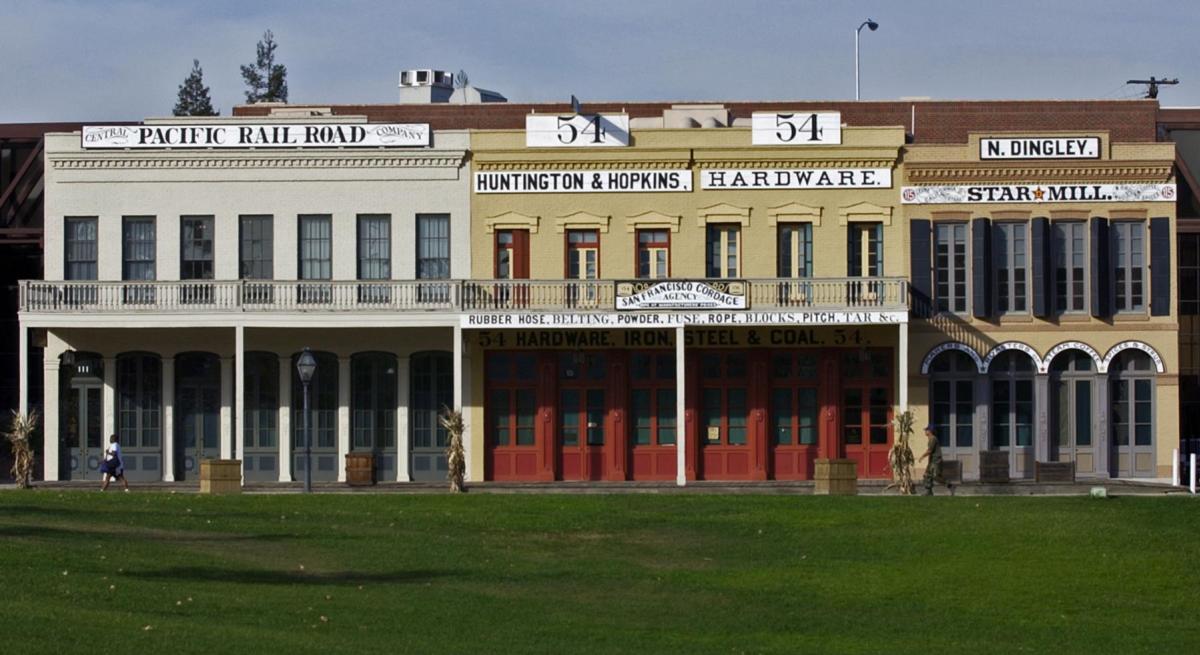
x=900, y=457
x=456, y=464
x=20, y=429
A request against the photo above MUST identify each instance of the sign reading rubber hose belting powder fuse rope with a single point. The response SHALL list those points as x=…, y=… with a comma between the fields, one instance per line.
x=676, y=319
x=612, y=181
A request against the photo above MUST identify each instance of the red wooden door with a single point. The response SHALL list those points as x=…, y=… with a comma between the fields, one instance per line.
x=512, y=409
x=582, y=425
x=726, y=446
x=866, y=410
x=652, y=417
x=795, y=404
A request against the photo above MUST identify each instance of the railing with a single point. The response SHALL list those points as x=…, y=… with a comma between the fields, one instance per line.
x=426, y=295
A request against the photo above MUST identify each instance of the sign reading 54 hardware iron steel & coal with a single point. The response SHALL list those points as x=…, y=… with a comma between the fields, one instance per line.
x=681, y=294
x=256, y=135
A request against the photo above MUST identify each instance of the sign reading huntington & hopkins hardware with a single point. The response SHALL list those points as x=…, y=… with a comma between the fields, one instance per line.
x=256, y=135
x=681, y=294
x=1036, y=193
x=797, y=178
x=582, y=181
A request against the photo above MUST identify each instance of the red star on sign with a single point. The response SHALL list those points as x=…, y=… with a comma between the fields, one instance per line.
x=1038, y=193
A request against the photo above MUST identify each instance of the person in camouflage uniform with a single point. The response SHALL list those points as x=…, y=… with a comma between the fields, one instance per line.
x=933, y=452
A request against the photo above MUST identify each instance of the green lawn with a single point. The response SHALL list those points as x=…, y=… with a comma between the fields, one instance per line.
x=159, y=573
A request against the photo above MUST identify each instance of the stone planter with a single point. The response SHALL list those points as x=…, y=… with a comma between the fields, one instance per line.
x=835, y=477
x=221, y=476
x=360, y=469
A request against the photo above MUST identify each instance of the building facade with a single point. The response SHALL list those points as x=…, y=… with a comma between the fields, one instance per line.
x=664, y=293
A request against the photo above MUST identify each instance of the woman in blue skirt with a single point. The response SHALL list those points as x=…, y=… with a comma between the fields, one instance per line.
x=112, y=467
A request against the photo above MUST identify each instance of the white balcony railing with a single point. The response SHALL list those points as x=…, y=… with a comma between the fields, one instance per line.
x=425, y=295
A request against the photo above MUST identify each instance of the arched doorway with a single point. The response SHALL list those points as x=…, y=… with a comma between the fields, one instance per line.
x=197, y=412
x=260, y=432
x=373, y=410
x=81, y=416
x=322, y=418
x=952, y=406
x=1132, y=382
x=1013, y=409
x=139, y=414
x=1072, y=410
x=431, y=388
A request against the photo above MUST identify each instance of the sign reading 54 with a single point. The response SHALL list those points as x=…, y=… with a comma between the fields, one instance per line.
x=576, y=130
x=796, y=128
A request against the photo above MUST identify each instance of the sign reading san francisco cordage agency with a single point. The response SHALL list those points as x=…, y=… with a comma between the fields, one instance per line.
x=256, y=135
x=681, y=294
x=1036, y=193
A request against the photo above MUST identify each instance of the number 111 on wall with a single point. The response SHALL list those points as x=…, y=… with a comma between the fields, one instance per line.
x=576, y=130
x=796, y=128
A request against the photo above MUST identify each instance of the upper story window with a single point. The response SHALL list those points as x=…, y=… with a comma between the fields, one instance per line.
x=1069, y=248
x=138, y=246
x=1129, y=266
x=1189, y=274
x=795, y=250
x=653, y=254
x=583, y=254
x=950, y=267
x=80, y=249
x=865, y=250
x=196, y=248
x=1011, y=264
x=433, y=247
x=256, y=252
x=316, y=250
x=724, y=252
x=374, y=247
x=512, y=255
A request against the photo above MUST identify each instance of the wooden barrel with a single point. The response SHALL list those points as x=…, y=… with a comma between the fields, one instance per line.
x=993, y=466
x=221, y=476
x=360, y=469
x=836, y=477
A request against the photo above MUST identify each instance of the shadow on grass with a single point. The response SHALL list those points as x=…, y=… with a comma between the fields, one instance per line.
x=108, y=530
x=260, y=576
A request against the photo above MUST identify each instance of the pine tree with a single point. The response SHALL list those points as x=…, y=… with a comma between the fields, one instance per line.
x=193, y=95
x=266, y=81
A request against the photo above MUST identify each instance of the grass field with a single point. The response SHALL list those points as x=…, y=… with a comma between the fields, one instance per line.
x=159, y=573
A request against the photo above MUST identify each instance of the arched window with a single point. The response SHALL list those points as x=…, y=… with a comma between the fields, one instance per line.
x=1132, y=383
x=139, y=400
x=952, y=399
x=1013, y=404
x=373, y=401
x=322, y=403
x=261, y=429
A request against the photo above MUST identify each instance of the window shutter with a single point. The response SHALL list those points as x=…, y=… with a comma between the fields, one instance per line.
x=921, y=265
x=981, y=270
x=1160, y=266
x=1101, y=273
x=1039, y=248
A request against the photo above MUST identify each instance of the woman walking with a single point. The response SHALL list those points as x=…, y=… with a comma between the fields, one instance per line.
x=113, y=467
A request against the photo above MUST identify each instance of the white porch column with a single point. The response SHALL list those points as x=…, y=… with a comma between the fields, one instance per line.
x=902, y=366
x=343, y=424
x=284, y=420
x=680, y=431
x=50, y=418
x=108, y=400
x=402, y=436
x=239, y=391
x=23, y=368
x=465, y=402
x=460, y=377
x=226, y=408
x=168, y=431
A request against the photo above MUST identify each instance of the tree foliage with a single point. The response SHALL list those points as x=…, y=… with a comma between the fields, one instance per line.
x=266, y=81
x=193, y=95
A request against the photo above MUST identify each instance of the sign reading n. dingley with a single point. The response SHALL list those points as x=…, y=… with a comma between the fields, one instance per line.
x=1059, y=147
x=796, y=178
x=257, y=135
x=1036, y=193
x=582, y=181
x=681, y=294
x=677, y=319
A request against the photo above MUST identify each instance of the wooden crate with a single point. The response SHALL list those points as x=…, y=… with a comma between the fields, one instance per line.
x=952, y=471
x=360, y=469
x=993, y=466
x=221, y=476
x=1054, y=472
x=835, y=477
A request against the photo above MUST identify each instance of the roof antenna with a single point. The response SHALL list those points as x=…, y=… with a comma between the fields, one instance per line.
x=576, y=106
x=1152, y=88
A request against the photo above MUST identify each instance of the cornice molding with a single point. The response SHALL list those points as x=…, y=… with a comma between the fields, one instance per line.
x=775, y=164
x=606, y=165
x=1108, y=171
x=289, y=160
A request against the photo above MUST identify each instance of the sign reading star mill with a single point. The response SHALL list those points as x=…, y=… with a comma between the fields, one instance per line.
x=1036, y=193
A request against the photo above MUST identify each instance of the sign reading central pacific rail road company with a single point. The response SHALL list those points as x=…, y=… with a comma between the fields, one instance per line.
x=681, y=294
x=256, y=135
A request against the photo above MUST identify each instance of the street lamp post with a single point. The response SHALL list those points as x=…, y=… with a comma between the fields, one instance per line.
x=868, y=24
x=306, y=365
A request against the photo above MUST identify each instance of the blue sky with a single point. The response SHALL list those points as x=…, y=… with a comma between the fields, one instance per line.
x=81, y=60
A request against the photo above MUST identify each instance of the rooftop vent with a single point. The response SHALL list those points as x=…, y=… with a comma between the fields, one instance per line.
x=427, y=85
